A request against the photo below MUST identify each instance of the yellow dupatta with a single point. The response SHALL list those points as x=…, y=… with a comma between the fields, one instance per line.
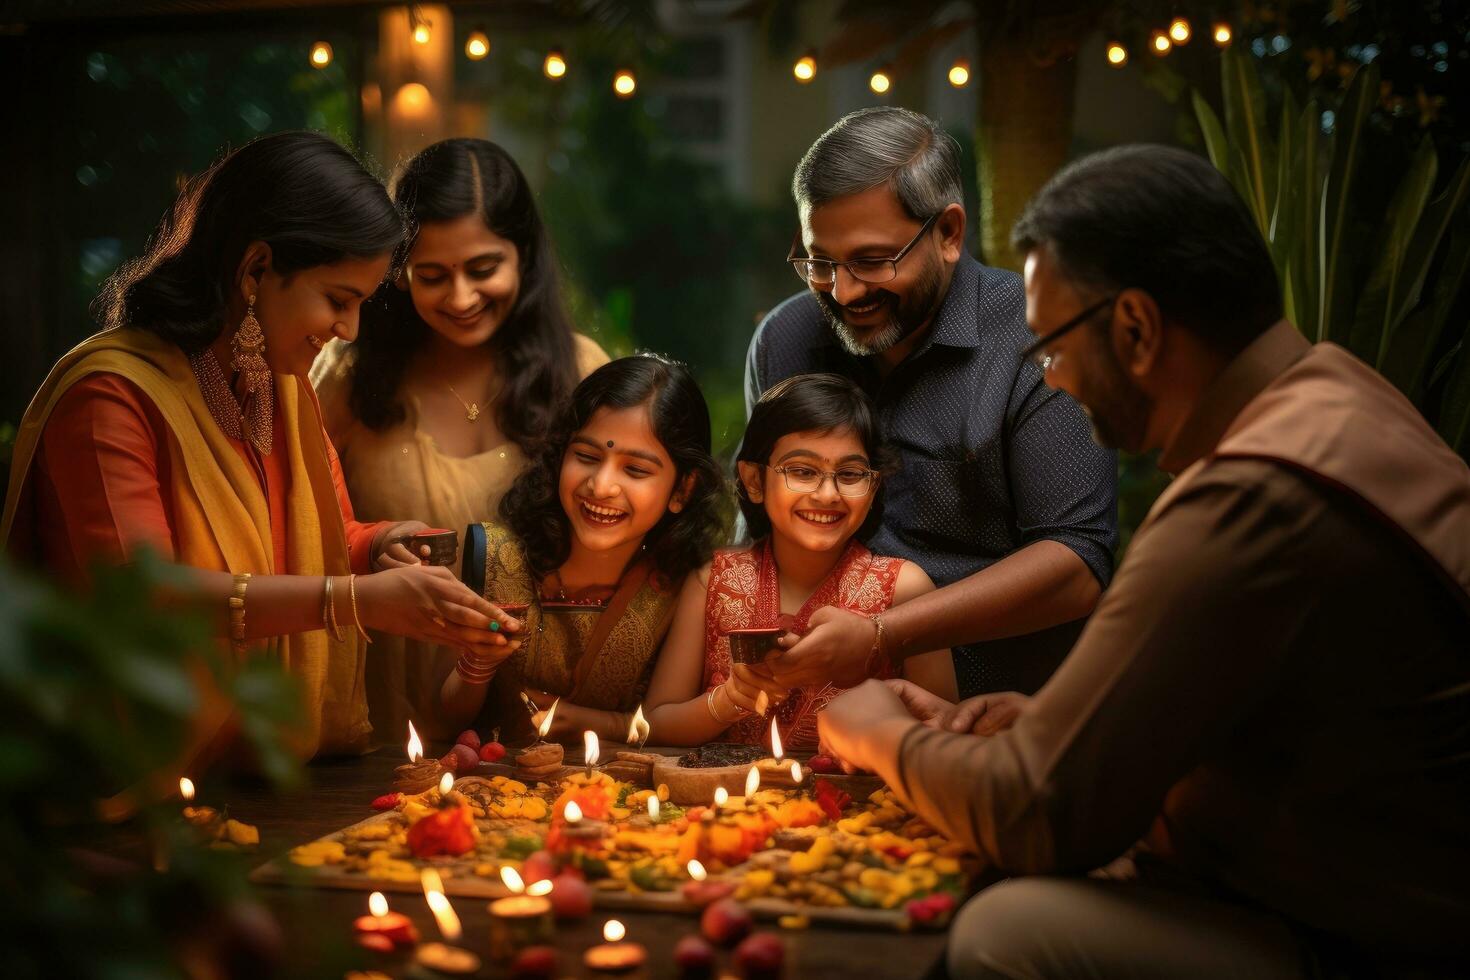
x=222, y=519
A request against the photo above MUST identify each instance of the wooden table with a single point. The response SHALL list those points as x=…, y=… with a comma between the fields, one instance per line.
x=339, y=793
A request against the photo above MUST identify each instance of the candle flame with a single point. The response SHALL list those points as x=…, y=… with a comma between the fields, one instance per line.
x=542, y=887
x=613, y=931
x=186, y=788
x=512, y=879
x=653, y=808
x=776, y=748
x=637, y=728
x=796, y=774
x=415, y=747
x=752, y=782
x=722, y=796
x=572, y=813
x=589, y=740
x=446, y=783
x=696, y=870
x=378, y=904
x=545, y=725
x=444, y=913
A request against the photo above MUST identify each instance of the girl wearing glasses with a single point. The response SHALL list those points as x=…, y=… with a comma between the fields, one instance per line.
x=809, y=472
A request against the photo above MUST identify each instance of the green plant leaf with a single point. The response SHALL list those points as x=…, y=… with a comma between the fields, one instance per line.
x=1454, y=418
x=1415, y=340
x=1288, y=160
x=1209, y=124
x=1351, y=129
x=1245, y=123
x=1435, y=222
x=1306, y=269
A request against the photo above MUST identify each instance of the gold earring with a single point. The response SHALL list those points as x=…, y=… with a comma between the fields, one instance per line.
x=247, y=352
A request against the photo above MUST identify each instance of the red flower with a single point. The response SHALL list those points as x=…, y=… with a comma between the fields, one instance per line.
x=448, y=831
x=934, y=908
x=831, y=799
x=387, y=801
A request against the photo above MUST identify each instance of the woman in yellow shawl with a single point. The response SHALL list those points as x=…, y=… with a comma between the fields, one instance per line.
x=188, y=426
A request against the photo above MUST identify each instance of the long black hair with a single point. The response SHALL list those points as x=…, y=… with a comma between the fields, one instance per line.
x=534, y=349
x=299, y=192
x=820, y=403
x=678, y=543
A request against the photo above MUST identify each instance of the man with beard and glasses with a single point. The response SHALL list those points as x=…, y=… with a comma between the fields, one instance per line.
x=1266, y=722
x=1000, y=495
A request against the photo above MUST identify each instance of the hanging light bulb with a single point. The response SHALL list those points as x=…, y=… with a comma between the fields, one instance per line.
x=1179, y=31
x=1159, y=43
x=880, y=82
x=624, y=83
x=555, y=65
x=1222, y=35
x=805, y=68
x=419, y=25
x=477, y=45
x=1117, y=55
x=959, y=73
x=321, y=54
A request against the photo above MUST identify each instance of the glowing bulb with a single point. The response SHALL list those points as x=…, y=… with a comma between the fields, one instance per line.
x=796, y=774
x=1179, y=31
x=477, y=45
x=512, y=879
x=446, y=783
x=1117, y=55
x=880, y=82
x=1223, y=36
x=613, y=931
x=805, y=68
x=421, y=34
x=959, y=73
x=1160, y=43
x=624, y=84
x=653, y=808
x=776, y=748
x=321, y=54
x=415, y=747
x=696, y=870
x=722, y=796
x=573, y=812
x=752, y=782
x=542, y=887
x=378, y=904
x=186, y=788
x=555, y=65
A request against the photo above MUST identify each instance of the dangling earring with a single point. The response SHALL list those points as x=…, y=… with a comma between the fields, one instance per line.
x=247, y=356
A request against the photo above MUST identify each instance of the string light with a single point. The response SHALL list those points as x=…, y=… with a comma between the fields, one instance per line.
x=624, y=84
x=477, y=45
x=555, y=65
x=1179, y=31
x=1223, y=37
x=880, y=82
x=419, y=26
x=1117, y=55
x=805, y=68
x=321, y=54
x=1160, y=43
x=959, y=73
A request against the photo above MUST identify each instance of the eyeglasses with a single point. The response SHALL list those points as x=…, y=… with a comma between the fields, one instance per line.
x=823, y=272
x=1036, y=352
x=850, y=481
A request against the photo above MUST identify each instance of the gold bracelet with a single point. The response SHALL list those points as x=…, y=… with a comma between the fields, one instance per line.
x=329, y=613
x=472, y=671
x=237, y=614
x=709, y=702
x=876, y=656
x=352, y=594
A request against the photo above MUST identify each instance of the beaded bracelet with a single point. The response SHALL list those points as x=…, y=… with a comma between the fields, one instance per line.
x=237, y=614
x=329, y=613
x=352, y=594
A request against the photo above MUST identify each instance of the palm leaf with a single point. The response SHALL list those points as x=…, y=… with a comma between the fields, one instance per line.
x=1415, y=340
x=1351, y=127
x=1245, y=122
x=1282, y=234
x=1306, y=267
x=1215, y=144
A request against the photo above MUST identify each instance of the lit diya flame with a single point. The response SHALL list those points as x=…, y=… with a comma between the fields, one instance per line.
x=613, y=931
x=378, y=904
x=721, y=797
x=752, y=782
x=545, y=725
x=796, y=774
x=542, y=887
x=512, y=879
x=776, y=749
x=591, y=750
x=186, y=788
x=444, y=913
x=638, y=728
x=415, y=747
x=446, y=783
x=572, y=813
x=653, y=808
x=696, y=870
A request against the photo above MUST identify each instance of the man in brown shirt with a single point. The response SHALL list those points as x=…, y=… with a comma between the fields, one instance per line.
x=1274, y=695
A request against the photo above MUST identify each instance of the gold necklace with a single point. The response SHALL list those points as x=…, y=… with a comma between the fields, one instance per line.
x=471, y=409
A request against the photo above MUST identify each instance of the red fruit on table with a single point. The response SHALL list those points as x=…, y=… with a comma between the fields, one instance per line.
x=761, y=956
x=538, y=866
x=492, y=752
x=571, y=897
x=725, y=922
x=534, y=961
x=469, y=737
x=824, y=764
x=694, y=957
x=450, y=763
x=387, y=801
x=466, y=759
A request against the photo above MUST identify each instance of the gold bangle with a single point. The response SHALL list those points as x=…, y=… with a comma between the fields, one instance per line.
x=352, y=594
x=876, y=656
x=237, y=614
x=329, y=613
x=471, y=671
x=709, y=702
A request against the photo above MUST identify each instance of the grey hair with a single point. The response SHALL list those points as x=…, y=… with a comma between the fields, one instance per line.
x=876, y=146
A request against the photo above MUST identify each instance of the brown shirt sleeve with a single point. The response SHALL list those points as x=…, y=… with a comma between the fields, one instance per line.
x=1188, y=640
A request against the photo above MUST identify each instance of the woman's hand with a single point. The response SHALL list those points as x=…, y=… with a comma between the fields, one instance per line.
x=931, y=709
x=391, y=551
x=750, y=681
x=985, y=714
x=427, y=603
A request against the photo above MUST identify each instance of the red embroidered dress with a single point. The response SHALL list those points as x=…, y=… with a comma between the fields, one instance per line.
x=744, y=593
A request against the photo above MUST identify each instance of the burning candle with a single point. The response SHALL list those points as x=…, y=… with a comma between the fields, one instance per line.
x=204, y=817
x=186, y=788
x=638, y=729
x=722, y=796
x=698, y=891
x=573, y=812
x=796, y=774
x=614, y=955
x=512, y=879
x=382, y=930
x=590, y=751
x=522, y=920
x=441, y=956
x=545, y=725
x=776, y=749
x=542, y=887
x=446, y=784
x=653, y=807
x=415, y=747
x=752, y=782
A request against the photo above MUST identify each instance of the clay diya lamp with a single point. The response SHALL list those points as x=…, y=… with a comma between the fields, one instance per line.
x=614, y=955
x=520, y=921
x=419, y=774
x=381, y=930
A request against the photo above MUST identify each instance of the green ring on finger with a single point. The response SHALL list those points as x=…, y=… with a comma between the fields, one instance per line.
x=495, y=626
